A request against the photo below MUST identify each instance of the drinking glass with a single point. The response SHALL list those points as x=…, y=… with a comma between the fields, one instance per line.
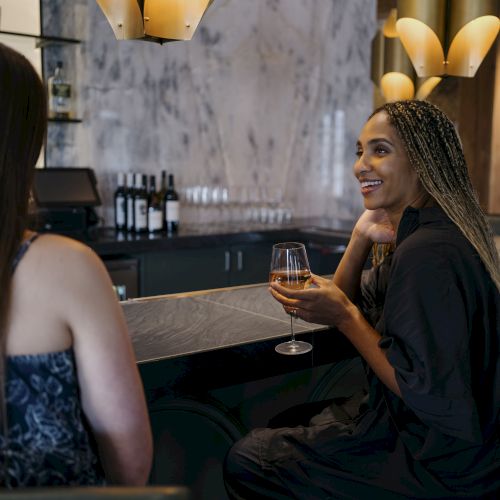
x=290, y=268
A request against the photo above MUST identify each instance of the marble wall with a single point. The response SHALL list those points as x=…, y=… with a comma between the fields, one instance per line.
x=268, y=93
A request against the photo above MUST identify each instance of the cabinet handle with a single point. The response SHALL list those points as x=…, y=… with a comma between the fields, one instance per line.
x=239, y=256
x=227, y=261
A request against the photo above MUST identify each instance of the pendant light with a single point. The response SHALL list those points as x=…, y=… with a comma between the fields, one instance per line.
x=154, y=20
x=392, y=70
x=397, y=82
x=447, y=37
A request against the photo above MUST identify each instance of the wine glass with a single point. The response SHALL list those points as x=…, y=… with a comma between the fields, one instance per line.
x=290, y=268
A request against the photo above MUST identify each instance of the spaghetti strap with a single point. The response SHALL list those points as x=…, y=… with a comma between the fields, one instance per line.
x=22, y=250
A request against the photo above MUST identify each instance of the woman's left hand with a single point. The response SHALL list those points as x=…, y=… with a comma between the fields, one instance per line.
x=324, y=304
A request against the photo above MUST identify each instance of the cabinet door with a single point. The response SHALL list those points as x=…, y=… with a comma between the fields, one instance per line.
x=124, y=275
x=184, y=270
x=250, y=263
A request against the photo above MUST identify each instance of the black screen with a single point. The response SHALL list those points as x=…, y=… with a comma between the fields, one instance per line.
x=65, y=187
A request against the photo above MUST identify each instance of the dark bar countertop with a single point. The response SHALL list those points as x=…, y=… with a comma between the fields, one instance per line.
x=198, y=341
x=183, y=324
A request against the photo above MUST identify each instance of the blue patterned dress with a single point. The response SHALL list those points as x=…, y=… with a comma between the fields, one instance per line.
x=48, y=441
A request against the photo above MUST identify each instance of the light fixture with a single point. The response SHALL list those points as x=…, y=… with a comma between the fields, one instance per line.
x=154, y=20
x=392, y=70
x=447, y=37
x=397, y=82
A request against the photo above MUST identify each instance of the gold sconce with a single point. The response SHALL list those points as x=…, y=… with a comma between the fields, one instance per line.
x=154, y=20
x=392, y=70
x=447, y=37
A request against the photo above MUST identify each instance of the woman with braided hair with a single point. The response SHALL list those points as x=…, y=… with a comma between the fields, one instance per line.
x=426, y=321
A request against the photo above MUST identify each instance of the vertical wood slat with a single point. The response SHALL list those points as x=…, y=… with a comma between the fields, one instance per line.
x=476, y=116
x=494, y=178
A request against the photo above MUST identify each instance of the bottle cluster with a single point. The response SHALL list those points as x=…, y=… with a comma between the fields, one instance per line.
x=142, y=208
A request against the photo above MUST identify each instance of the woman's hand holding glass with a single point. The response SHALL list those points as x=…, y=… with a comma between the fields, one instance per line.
x=323, y=303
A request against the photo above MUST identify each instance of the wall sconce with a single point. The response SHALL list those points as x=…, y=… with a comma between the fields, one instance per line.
x=154, y=20
x=447, y=37
x=392, y=70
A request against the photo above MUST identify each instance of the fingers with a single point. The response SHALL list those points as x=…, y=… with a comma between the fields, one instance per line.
x=282, y=299
x=293, y=294
x=297, y=308
x=320, y=281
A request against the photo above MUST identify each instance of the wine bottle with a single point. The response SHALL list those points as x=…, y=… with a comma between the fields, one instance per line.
x=130, y=194
x=59, y=93
x=140, y=204
x=162, y=193
x=171, y=207
x=155, y=212
x=120, y=204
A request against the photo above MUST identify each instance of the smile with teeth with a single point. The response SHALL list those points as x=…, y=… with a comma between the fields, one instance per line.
x=369, y=186
x=370, y=183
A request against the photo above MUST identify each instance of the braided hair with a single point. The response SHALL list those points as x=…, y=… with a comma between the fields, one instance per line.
x=435, y=152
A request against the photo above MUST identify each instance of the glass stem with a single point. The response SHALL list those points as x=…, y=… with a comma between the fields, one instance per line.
x=291, y=327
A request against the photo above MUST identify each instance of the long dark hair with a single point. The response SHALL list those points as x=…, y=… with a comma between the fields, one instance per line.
x=23, y=121
x=435, y=152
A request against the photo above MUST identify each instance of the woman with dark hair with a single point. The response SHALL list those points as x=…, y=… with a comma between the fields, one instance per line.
x=425, y=319
x=72, y=407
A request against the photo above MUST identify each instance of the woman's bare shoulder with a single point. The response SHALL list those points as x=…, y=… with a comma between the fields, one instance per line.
x=55, y=242
x=56, y=249
x=58, y=259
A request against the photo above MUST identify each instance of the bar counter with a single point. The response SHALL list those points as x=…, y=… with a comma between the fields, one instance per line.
x=211, y=374
x=195, y=322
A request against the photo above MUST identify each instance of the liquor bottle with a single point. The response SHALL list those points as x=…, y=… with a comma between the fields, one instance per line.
x=171, y=207
x=121, y=204
x=59, y=94
x=130, y=201
x=155, y=212
x=140, y=204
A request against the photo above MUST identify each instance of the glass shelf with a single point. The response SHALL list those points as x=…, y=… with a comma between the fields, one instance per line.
x=65, y=120
x=42, y=40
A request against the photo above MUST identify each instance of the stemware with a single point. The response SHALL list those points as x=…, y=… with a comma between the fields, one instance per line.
x=290, y=268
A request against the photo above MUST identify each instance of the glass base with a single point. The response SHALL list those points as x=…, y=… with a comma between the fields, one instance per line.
x=293, y=347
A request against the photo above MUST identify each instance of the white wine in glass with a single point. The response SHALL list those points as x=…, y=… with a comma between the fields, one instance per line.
x=290, y=268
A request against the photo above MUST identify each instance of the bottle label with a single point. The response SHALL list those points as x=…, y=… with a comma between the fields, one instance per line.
x=121, y=211
x=172, y=211
x=155, y=220
x=141, y=214
x=61, y=90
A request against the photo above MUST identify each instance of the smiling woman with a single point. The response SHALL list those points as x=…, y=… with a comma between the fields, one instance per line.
x=384, y=171
x=426, y=320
